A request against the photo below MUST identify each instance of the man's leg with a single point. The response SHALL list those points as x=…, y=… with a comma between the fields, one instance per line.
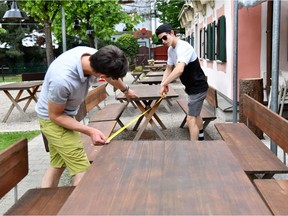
x=51, y=177
x=77, y=178
x=193, y=127
x=200, y=126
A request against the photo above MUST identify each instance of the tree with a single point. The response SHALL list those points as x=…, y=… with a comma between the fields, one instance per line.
x=169, y=11
x=98, y=16
x=44, y=12
x=129, y=45
x=97, y=19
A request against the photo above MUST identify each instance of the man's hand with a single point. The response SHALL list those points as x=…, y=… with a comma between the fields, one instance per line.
x=130, y=94
x=164, y=90
x=97, y=137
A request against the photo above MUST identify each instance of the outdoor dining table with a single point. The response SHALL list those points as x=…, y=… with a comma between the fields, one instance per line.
x=155, y=67
x=154, y=80
x=31, y=87
x=155, y=73
x=148, y=99
x=165, y=178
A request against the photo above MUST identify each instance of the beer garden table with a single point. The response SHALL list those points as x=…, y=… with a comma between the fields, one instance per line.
x=30, y=87
x=165, y=178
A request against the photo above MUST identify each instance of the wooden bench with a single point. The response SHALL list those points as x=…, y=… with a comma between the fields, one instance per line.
x=38, y=201
x=250, y=151
x=110, y=112
x=275, y=194
x=136, y=75
x=33, y=76
x=208, y=113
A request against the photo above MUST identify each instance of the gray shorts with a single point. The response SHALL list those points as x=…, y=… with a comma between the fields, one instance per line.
x=195, y=103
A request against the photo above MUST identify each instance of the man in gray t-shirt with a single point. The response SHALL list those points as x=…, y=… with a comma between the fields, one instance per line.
x=65, y=87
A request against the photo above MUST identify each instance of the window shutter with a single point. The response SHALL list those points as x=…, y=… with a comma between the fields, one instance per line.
x=221, y=39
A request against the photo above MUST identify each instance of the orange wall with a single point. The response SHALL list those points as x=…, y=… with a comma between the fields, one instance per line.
x=249, y=42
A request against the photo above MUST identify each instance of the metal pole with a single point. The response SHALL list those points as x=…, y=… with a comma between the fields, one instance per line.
x=63, y=31
x=235, y=62
x=275, y=62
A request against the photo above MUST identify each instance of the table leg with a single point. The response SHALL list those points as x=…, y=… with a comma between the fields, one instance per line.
x=143, y=109
x=15, y=104
x=32, y=96
x=148, y=104
x=148, y=119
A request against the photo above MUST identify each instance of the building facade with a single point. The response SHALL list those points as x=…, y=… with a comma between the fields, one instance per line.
x=209, y=27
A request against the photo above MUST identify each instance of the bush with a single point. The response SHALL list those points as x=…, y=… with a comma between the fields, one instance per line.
x=129, y=45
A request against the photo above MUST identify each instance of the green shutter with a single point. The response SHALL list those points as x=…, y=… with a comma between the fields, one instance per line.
x=214, y=26
x=222, y=39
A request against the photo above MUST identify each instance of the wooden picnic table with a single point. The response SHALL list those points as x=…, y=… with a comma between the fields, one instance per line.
x=155, y=67
x=165, y=178
x=154, y=80
x=30, y=87
x=155, y=73
x=148, y=96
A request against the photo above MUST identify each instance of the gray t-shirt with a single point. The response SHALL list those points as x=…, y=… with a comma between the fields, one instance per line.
x=65, y=82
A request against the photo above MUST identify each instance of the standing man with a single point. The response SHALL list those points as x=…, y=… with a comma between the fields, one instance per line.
x=183, y=62
x=65, y=87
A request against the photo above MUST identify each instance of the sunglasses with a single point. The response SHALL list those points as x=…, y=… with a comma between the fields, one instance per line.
x=163, y=38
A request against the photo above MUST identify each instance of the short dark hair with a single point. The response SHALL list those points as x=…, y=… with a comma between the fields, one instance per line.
x=163, y=28
x=111, y=61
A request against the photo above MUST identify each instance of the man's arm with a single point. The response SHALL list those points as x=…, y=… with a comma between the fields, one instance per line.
x=119, y=84
x=174, y=74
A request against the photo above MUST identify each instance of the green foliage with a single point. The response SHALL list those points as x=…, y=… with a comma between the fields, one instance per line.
x=128, y=44
x=155, y=40
x=170, y=10
x=100, y=16
x=8, y=138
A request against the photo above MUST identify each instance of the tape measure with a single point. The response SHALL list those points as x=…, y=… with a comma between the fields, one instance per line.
x=132, y=121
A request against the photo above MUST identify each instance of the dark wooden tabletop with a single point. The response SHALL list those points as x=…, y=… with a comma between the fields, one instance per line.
x=155, y=73
x=20, y=85
x=151, y=80
x=147, y=92
x=164, y=178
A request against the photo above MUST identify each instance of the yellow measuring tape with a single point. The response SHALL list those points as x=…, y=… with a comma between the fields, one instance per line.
x=133, y=120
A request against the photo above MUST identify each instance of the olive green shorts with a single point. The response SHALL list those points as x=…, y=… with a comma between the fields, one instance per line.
x=65, y=147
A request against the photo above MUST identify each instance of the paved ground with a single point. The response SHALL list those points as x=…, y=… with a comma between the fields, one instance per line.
x=172, y=117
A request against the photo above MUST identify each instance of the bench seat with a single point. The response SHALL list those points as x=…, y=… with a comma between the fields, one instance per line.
x=206, y=114
x=110, y=112
x=275, y=194
x=136, y=75
x=41, y=201
x=251, y=153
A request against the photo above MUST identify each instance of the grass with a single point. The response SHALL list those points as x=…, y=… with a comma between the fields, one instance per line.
x=8, y=138
x=11, y=78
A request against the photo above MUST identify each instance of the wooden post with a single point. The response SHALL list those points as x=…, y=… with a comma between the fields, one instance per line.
x=253, y=88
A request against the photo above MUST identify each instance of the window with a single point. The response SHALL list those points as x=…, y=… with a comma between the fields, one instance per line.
x=192, y=39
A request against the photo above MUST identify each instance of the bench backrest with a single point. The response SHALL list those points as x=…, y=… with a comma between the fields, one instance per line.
x=211, y=97
x=95, y=96
x=272, y=124
x=33, y=76
x=13, y=165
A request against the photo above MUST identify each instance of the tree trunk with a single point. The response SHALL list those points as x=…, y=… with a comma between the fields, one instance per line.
x=49, y=46
x=253, y=88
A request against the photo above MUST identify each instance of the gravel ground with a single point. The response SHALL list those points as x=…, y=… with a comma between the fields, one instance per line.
x=172, y=117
